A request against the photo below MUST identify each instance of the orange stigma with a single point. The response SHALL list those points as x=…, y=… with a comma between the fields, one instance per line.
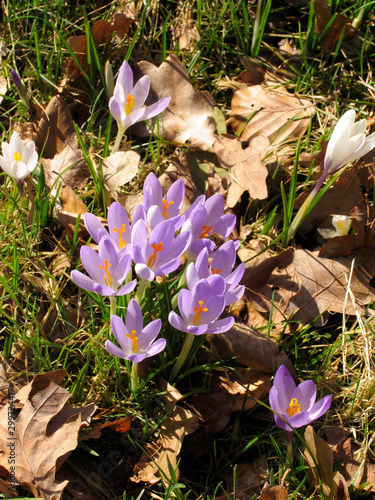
x=120, y=232
x=166, y=205
x=198, y=311
x=294, y=407
x=152, y=258
x=107, y=277
x=217, y=271
x=205, y=232
x=134, y=340
x=129, y=104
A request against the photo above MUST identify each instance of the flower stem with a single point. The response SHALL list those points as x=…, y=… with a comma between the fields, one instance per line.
x=289, y=447
x=182, y=357
x=112, y=305
x=120, y=133
x=140, y=293
x=134, y=378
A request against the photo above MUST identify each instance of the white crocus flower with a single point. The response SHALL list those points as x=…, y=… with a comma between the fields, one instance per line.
x=19, y=159
x=341, y=223
x=348, y=142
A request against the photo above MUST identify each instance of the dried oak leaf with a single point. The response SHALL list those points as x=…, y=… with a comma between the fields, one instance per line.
x=188, y=117
x=45, y=432
x=324, y=284
x=102, y=32
x=275, y=114
x=246, y=170
x=163, y=452
x=243, y=386
x=249, y=347
x=214, y=409
x=119, y=169
x=319, y=458
x=273, y=493
x=271, y=284
x=332, y=35
x=344, y=451
x=55, y=128
x=249, y=478
x=72, y=207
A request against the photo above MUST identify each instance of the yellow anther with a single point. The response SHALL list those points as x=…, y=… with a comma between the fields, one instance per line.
x=107, y=277
x=17, y=157
x=152, y=258
x=205, y=231
x=294, y=407
x=166, y=205
x=134, y=340
x=120, y=232
x=198, y=311
x=129, y=104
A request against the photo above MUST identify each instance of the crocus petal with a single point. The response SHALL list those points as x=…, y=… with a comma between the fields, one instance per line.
x=149, y=334
x=320, y=408
x=144, y=272
x=127, y=288
x=117, y=111
x=234, y=296
x=134, y=318
x=93, y=226
x=92, y=262
x=225, y=225
x=156, y=347
x=114, y=350
x=177, y=322
x=284, y=385
x=168, y=267
x=221, y=326
x=305, y=393
x=156, y=108
x=124, y=82
x=140, y=92
x=119, y=331
x=197, y=329
x=82, y=281
x=152, y=192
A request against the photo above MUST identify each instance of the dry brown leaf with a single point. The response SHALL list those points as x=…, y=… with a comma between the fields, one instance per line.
x=55, y=128
x=165, y=449
x=249, y=479
x=214, y=409
x=72, y=207
x=330, y=38
x=244, y=386
x=188, y=117
x=319, y=458
x=271, y=284
x=67, y=167
x=273, y=493
x=46, y=431
x=251, y=348
x=324, y=284
x=119, y=169
x=275, y=114
x=247, y=171
x=102, y=32
x=253, y=74
x=120, y=425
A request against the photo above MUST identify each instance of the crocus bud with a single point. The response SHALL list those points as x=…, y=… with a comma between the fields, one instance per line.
x=20, y=87
x=109, y=80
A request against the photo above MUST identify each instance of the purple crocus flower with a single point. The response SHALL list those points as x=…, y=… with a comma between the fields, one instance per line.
x=208, y=218
x=126, y=105
x=137, y=343
x=118, y=224
x=160, y=207
x=295, y=404
x=222, y=263
x=159, y=253
x=200, y=308
x=108, y=270
x=20, y=87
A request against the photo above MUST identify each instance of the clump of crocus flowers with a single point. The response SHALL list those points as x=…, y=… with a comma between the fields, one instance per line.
x=159, y=233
